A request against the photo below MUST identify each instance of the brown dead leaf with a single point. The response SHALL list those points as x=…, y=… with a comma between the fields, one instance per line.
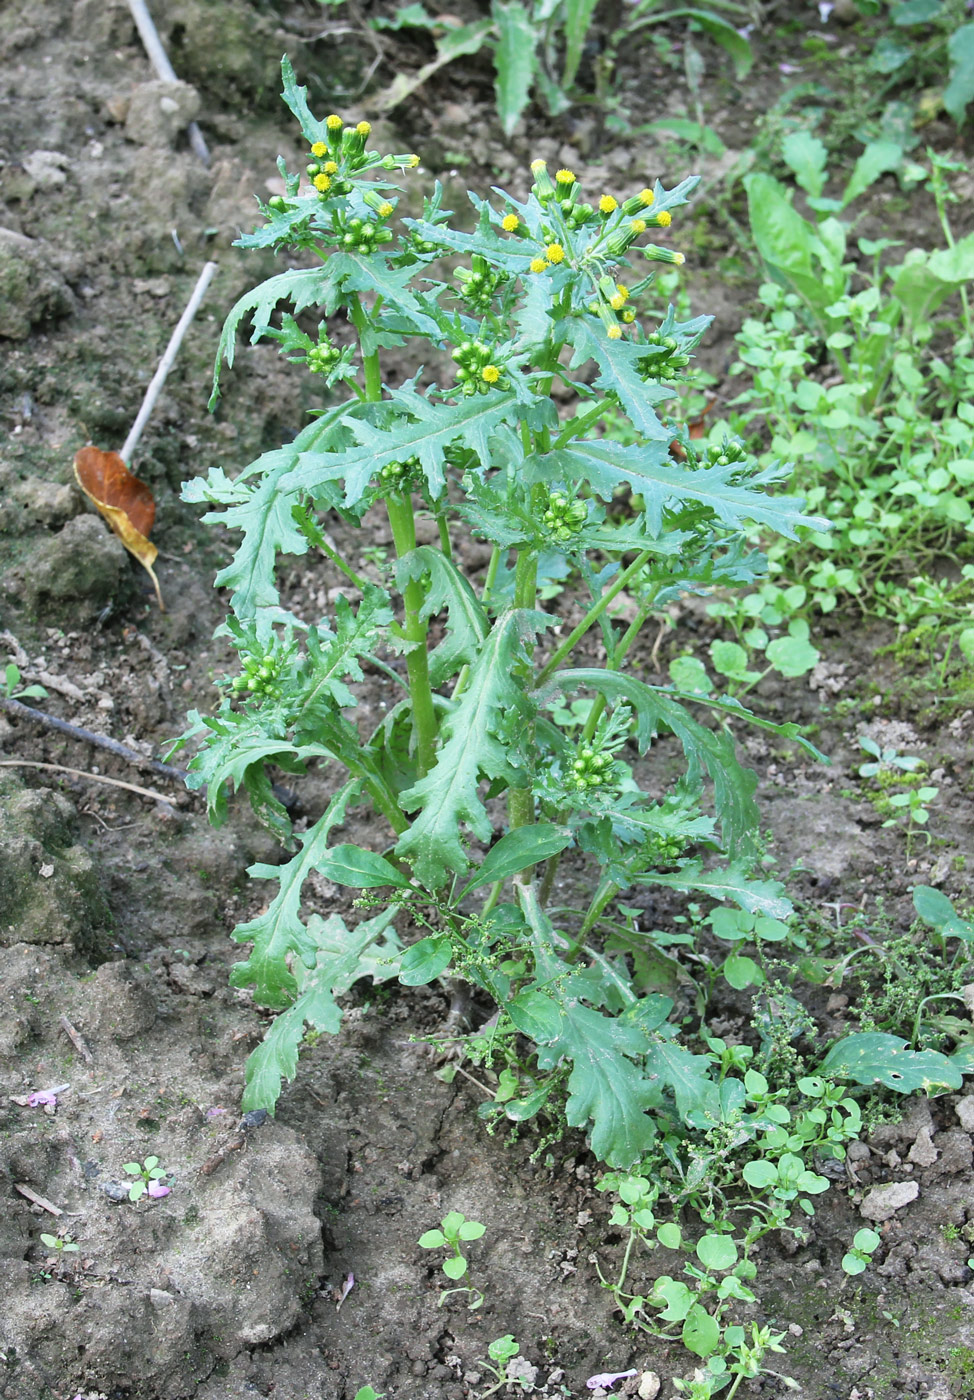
x=124, y=501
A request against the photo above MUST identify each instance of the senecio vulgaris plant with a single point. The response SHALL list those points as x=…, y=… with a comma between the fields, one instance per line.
x=543, y=296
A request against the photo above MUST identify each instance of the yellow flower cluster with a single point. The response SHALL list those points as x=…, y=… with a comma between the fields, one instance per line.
x=510, y=223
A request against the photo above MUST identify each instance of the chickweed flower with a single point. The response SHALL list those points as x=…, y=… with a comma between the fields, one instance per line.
x=510, y=223
x=608, y=205
x=555, y=253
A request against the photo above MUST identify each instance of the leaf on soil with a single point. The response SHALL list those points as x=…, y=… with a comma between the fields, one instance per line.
x=872, y=1057
x=123, y=500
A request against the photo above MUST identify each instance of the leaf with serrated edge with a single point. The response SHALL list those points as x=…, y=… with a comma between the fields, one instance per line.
x=515, y=60
x=280, y=932
x=448, y=590
x=731, y=882
x=448, y=796
x=342, y=957
x=617, y=360
x=437, y=426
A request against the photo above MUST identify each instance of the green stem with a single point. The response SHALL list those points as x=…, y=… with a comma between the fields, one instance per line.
x=491, y=575
x=339, y=563
x=402, y=521
x=520, y=801
x=370, y=362
x=593, y=615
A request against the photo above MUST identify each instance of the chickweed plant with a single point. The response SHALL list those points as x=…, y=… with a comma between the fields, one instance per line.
x=860, y=379
x=483, y=773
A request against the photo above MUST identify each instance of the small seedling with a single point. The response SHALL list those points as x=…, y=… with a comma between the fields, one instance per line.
x=884, y=758
x=501, y=1351
x=60, y=1246
x=864, y=1245
x=455, y=1228
x=11, y=689
x=367, y=1393
x=148, y=1179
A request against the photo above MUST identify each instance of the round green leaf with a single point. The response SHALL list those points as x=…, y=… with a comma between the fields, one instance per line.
x=701, y=1332
x=425, y=961
x=760, y=1174
x=670, y=1236
x=717, y=1252
x=792, y=656
x=471, y=1230
x=455, y=1267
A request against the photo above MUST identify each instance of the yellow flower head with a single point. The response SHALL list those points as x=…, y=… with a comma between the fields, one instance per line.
x=538, y=265
x=555, y=253
x=664, y=218
x=384, y=210
x=623, y=290
x=608, y=205
x=364, y=128
x=330, y=168
x=510, y=223
x=679, y=259
x=537, y=165
x=617, y=302
x=333, y=123
x=628, y=315
x=565, y=177
x=646, y=197
x=490, y=374
x=319, y=148
x=322, y=183
x=614, y=332
x=638, y=225
x=412, y=162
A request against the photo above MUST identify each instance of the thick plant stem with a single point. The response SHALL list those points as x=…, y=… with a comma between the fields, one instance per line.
x=593, y=615
x=403, y=525
x=520, y=801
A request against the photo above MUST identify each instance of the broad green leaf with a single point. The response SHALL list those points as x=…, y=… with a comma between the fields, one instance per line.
x=877, y=159
x=717, y=1251
x=740, y=972
x=429, y=430
x=760, y=1174
x=342, y=956
x=362, y=870
x=935, y=908
x=784, y=239
x=730, y=659
x=425, y=961
x=701, y=1332
x=959, y=92
x=472, y=748
x=577, y=16
x=524, y=846
x=807, y=157
x=515, y=60
x=648, y=469
x=872, y=1057
x=792, y=656
x=447, y=589
x=279, y=932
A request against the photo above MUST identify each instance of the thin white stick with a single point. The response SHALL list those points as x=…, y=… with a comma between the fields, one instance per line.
x=166, y=363
x=160, y=62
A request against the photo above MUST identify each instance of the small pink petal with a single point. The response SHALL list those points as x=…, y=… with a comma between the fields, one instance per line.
x=608, y=1379
x=156, y=1189
x=788, y=69
x=42, y=1099
x=214, y=1112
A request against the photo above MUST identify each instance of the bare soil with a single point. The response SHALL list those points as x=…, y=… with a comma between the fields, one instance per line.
x=115, y=908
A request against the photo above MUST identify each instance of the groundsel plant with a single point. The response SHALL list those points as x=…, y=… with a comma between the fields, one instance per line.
x=478, y=791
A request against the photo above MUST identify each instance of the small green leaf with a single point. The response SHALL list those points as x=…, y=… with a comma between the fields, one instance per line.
x=760, y=1174
x=524, y=846
x=361, y=869
x=455, y=1267
x=433, y=1239
x=425, y=961
x=471, y=1230
x=670, y=1236
x=717, y=1251
x=701, y=1332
